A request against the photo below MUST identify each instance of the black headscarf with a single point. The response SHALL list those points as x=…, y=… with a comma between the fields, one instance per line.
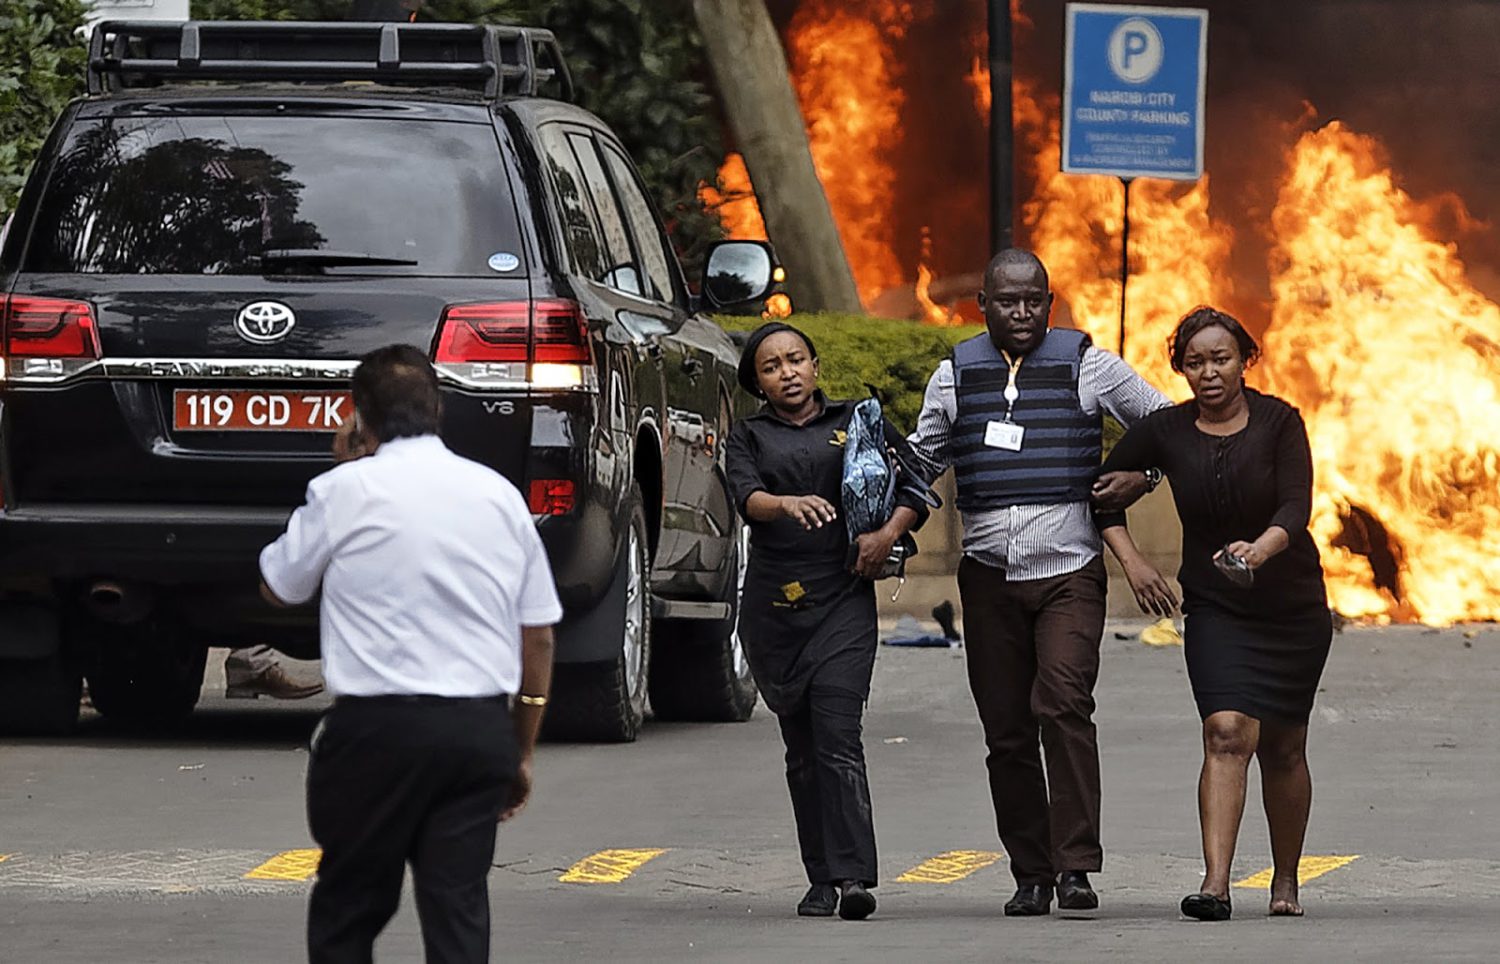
x=747, y=378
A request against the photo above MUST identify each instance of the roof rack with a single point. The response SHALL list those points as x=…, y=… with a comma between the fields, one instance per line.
x=499, y=61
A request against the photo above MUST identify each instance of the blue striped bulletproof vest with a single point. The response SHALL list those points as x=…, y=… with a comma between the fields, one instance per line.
x=1062, y=447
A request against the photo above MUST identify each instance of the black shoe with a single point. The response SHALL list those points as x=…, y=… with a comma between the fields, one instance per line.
x=855, y=903
x=1074, y=892
x=820, y=901
x=1206, y=907
x=943, y=613
x=1031, y=900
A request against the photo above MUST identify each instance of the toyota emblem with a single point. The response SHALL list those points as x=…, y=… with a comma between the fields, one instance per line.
x=264, y=322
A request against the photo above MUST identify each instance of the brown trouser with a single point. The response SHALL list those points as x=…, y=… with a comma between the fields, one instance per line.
x=1033, y=658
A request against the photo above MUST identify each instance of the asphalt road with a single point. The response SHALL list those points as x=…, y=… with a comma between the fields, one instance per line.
x=125, y=848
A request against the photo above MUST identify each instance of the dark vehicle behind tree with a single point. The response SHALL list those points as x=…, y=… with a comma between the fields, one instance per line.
x=208, y=243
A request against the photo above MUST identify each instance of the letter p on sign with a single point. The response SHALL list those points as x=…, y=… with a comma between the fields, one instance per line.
x=1135, y=50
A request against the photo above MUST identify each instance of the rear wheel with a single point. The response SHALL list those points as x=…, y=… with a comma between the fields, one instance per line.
x=699, y=670
x=143, y=674
x=606, y=701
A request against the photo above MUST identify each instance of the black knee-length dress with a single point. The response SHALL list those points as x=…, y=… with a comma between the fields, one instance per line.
x=1258, y=651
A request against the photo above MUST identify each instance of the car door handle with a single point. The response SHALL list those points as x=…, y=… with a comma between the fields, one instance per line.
x=692, y=366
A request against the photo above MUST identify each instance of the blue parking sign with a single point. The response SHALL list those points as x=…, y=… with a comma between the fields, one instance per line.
x=1133, y=91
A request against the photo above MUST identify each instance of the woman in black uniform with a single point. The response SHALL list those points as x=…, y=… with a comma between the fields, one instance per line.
x=1257, y=626
x=807, y=620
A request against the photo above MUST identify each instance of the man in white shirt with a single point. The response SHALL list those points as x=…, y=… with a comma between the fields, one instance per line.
x=437, y=607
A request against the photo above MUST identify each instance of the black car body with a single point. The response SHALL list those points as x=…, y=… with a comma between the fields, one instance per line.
x=210, y=241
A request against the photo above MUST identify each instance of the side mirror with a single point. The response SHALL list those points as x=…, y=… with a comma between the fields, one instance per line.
x=738, y=272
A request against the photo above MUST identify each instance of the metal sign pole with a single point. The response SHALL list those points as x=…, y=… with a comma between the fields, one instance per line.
x=1124, y=261
x=1002, y=146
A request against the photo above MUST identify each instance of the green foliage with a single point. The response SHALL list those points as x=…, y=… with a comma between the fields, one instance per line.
x=270, y=9
x=895, y=357
x=42, y=57
x=637, y=64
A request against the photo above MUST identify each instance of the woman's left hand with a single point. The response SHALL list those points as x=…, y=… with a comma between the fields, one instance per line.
x=874, y=548
x=1252, y=554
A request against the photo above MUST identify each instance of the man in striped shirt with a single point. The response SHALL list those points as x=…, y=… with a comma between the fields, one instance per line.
x=1017, y=413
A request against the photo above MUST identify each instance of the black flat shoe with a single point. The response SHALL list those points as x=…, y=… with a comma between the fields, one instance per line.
x=820, y=901
x=1074, y=892
x=1205, y=907
x=856, y=903
x=1031, y=900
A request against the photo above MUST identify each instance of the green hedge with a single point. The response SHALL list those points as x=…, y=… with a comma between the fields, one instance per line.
x=895, y=356
x=42, y=58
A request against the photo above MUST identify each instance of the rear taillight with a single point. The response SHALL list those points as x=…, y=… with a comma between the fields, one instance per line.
x=499, y=332
x=49, y=327
x=559, y=333
x=549, y=336
x=551, y=496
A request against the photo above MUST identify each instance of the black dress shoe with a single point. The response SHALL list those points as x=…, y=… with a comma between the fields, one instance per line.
x=1206, y=907
x=1031, y=900
x=1074, y=892
x=855, y=903
x=820, y=901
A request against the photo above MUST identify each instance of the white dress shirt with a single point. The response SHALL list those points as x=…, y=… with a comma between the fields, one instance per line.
x=1034, y=541
x=429, y=564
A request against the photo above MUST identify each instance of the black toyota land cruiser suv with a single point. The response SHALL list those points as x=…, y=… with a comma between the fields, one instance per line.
x=210, y=240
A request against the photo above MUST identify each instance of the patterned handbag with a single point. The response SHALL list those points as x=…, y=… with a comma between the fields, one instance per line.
x=873, y=474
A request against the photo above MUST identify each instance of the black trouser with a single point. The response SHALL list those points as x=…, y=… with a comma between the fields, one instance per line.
x=1033, y=658
x=825, y=771
x=398, y=779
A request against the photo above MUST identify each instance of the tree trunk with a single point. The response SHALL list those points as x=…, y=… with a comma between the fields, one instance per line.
x=756, y=89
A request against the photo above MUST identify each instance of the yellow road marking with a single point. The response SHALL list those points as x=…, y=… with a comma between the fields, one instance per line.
x=1308, y=869
x=609, y=866
x=288, y=865
x=947, y=868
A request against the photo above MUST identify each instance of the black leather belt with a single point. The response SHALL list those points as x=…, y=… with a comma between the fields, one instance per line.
x=405, y=698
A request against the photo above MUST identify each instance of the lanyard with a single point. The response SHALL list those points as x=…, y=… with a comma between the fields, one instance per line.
x=1011, y=391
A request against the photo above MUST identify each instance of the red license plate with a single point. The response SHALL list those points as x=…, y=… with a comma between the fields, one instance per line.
x=247, y=410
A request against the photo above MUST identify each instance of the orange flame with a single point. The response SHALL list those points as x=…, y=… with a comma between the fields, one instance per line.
x=931, y=312
x=844, y=71
x=733, y=200
x=1394, y=359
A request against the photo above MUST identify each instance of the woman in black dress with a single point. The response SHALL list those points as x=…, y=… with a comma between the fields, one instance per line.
x=807, y=617
x=1256, y=621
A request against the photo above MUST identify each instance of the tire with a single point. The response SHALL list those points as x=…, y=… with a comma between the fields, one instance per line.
x=143, y=674
x=39, y=697
x=699, y=672
x=605, y=702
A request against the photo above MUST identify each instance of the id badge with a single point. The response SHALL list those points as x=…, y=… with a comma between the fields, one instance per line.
x=1004, y=435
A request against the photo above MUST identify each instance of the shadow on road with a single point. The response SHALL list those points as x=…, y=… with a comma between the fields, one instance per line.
x=261, y=728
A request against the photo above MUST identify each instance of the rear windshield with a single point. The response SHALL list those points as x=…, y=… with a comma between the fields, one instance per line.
x=216, y=195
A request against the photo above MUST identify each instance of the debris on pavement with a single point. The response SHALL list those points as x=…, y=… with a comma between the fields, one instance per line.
x=1163, y=632
x=909, y=632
